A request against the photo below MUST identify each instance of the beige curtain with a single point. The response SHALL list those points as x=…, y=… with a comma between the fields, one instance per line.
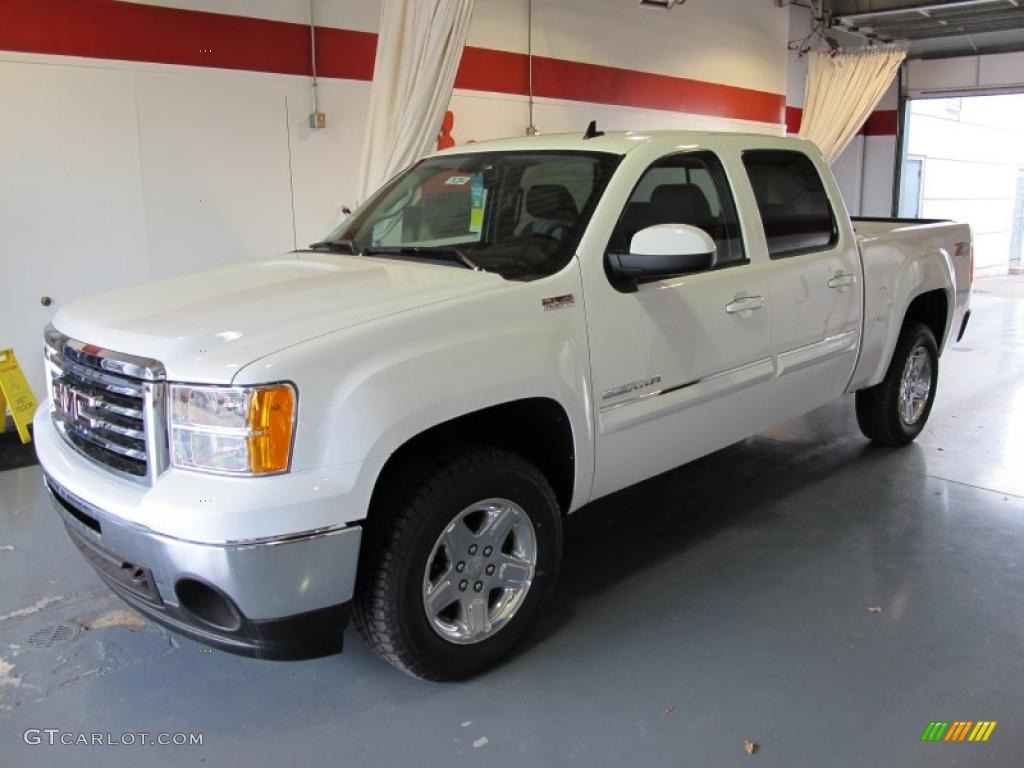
x=842, y=91
x=418, y=52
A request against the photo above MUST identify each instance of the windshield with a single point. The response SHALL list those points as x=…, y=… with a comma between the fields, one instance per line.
x=519, y=214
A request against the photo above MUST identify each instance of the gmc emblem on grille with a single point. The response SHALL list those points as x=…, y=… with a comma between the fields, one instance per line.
x=71, y=401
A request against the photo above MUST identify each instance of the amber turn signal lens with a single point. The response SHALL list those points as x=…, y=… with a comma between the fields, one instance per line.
x=271, y=420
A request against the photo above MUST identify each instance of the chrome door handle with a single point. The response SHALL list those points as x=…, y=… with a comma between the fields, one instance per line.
x=744, y=306
x=842, y=280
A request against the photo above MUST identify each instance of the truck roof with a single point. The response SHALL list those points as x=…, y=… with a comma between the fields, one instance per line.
x=621, y=142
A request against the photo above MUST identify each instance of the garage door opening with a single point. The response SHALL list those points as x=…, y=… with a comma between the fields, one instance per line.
x=964, y=160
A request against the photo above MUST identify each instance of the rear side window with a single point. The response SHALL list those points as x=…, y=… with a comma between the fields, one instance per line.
x=794, y=206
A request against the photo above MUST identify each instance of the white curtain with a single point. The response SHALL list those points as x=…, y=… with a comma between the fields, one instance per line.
x=842, y=91
x=418, y=52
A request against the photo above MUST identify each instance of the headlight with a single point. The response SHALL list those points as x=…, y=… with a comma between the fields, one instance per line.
x=232, y=430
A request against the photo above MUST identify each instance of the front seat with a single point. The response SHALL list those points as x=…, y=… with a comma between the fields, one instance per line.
x=553, y=211
x=680, y=204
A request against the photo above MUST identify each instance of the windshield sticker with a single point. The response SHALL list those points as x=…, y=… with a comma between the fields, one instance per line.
x=458, y=181
x=477, y=196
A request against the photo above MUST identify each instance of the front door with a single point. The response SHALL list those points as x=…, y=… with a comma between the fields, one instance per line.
x=681, y=366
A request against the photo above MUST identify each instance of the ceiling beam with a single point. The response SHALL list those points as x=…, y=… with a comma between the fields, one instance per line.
x=852, y=12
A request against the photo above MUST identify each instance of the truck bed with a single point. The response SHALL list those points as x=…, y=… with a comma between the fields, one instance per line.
x=874, y=225
x=907, y=257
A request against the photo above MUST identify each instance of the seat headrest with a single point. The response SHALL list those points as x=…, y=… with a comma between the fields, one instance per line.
x=680, y=203
x=550, y=201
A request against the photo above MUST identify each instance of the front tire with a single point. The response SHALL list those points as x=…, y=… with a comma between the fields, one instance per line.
x=455, y=571
x=895, y=411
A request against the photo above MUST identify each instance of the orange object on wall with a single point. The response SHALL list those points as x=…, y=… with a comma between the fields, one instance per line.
x=444, y=138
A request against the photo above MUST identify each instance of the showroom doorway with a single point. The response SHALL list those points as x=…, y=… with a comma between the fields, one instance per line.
x=963, y=159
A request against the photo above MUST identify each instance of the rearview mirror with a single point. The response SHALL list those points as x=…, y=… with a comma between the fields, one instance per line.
x=663, y=250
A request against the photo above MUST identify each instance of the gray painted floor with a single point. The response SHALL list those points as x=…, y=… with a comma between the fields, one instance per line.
x=727, y=600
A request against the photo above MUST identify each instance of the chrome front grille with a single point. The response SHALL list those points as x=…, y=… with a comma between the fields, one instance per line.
x=102, y=417
x=108, y=406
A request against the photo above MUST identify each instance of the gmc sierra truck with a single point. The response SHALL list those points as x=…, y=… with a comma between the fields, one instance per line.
x=392, y=425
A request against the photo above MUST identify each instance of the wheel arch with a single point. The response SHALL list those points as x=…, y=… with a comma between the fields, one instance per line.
x=934, y=309
x=920, y=289
x=537, y=428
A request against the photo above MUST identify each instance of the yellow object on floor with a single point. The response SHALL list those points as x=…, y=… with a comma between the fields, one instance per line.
x=16, y=394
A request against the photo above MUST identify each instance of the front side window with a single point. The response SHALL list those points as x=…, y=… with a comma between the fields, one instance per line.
x=794, y=206
x=689, y=188
x=519, y=214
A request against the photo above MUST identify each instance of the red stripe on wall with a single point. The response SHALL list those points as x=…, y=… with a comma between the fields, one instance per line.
x=882, y=122
x=610, y=85
x=482, y=69
x=344, y=53
x=110, y=29
x=487, y=70
x=794, y=116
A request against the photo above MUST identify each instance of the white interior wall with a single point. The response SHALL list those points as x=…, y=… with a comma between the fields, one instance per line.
x=153, y=170
x=71, y=201
x=248, y=165
x=879, y=170
x=609, y=32
x=933, y=77
x=362, y=15
x=848, y=170
x=735, y=42
x=617, y=34
x=482, y=116
x=117, y=171
x=880, y=163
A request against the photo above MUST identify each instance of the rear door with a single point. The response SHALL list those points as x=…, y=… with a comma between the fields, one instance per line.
x=814, y=284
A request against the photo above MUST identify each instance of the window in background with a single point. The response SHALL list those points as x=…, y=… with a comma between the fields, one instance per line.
x=912, y=182
x=1017, y=240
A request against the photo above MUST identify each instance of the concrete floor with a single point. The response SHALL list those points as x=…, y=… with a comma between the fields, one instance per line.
x=728, y=600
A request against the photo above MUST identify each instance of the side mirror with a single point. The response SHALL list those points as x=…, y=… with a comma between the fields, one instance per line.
x=663, y=250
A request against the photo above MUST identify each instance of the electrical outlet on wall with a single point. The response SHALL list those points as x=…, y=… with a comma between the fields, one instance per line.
x=318, y=120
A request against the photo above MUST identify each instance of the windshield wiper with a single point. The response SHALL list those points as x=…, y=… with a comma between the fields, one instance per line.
x=345, y=245
x=450, y=253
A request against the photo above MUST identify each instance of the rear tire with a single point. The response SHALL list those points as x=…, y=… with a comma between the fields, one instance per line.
x=418, y=544
x=894, y=411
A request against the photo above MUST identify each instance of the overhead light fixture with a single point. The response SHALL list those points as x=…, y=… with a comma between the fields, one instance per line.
x=666, y=4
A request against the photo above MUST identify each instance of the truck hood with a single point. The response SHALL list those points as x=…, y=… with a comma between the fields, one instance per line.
x=206, y=326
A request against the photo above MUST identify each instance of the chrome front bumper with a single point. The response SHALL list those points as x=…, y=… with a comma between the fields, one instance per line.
x=280, y=598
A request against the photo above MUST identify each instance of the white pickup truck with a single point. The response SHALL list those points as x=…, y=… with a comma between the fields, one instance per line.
x=393, y=424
